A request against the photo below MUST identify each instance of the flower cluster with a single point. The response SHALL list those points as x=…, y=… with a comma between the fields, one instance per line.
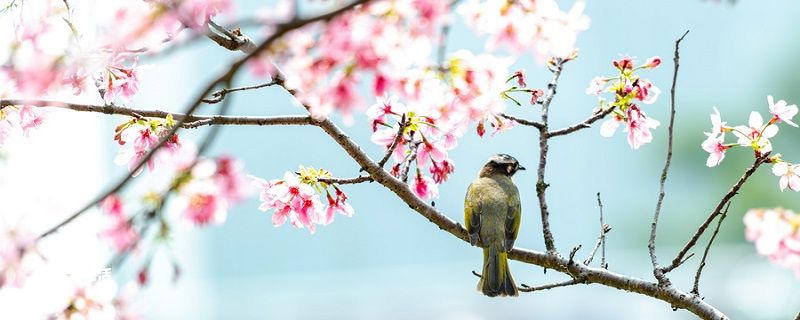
x=15, y=120
x=142, y=135
x=755, y=135
x=296, y=198
x=527, y=24
x=380, y=41
x=207, y=191
x=776, y=235
x=49, y=52
x=120, y=230
x=16, y=256
x=628, y=88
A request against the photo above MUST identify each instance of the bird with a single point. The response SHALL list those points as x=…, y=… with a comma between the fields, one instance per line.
x=492, y=212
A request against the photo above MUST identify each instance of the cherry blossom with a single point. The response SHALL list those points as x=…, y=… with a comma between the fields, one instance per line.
x=756, y=134
x=782, y=111
x=715, y=147
x=717, y=126
x=118, y=80
x=424, y=187
x=627, y=87
x=775, y=234
x=522, y=25
x=638, y=127
x=16, y=256
x=338, y=204
x=143, y=135
x=789, y=173
x=296, y=198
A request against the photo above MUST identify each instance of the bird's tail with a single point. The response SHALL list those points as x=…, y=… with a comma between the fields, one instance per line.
x=496, y=279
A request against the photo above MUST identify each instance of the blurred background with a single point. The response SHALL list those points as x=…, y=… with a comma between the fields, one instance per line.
x=388, y=262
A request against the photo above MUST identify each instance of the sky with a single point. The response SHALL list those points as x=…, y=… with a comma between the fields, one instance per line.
x=388, y=262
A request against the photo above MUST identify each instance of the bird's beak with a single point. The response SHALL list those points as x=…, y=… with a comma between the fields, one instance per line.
x=520, y=168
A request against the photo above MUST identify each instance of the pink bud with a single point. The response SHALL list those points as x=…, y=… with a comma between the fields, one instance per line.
x=653, y=62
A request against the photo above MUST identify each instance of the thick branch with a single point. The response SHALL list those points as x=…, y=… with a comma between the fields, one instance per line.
x=675, y=297
x=651, y=245
x=679, y=258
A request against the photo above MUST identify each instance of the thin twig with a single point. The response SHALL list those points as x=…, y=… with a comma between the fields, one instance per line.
x=398, y=136
x=583, y=125
x=412, y=155
x=541, y=186
x=354, y=180
x=218, y=95
x=695, y=289
x=526, y=288
x=601, y=239
x=679, y=258
x=525, y=122
x=190, y=121
x=442, y=50
x=651, y=244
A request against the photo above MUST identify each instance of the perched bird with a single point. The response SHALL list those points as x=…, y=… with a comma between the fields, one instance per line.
x=492, y=213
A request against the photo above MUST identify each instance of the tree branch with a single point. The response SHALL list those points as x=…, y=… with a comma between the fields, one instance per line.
x=353, y=180
x=399, y=136
x=541, y=186
x=601, y=240
x=583, y=125
x=651, y=244
x=218, y=95
x=525, y=122
x=679, y=258
x=695, y=289
x=526, y=288
x=191, y=121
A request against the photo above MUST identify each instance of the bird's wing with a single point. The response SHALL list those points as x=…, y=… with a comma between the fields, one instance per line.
x=513, y=217
x=472, y=215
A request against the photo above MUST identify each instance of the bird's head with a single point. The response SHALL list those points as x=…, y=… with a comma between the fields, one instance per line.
x=501, y=164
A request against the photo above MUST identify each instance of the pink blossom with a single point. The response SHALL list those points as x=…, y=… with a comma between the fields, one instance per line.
x=789, y=173
x=16, y=256
x=121, y=234
x=339, y=204
x=782, y=110
x=717, y=126
x=646, y=91
x=387, y=106
x=716, y=149
x=113, y=206
x=424, y=187
x=775, y=234
x=652, y=62
x=30, y=118
x=624, y=64
x=230, y=179
x=441, y=170
x=755, y=134
x=205, y=208
x=428, y=151
x=638, y=127
x=117, y=79
x=610, y=126
x=291, y=200
x=596, y=86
